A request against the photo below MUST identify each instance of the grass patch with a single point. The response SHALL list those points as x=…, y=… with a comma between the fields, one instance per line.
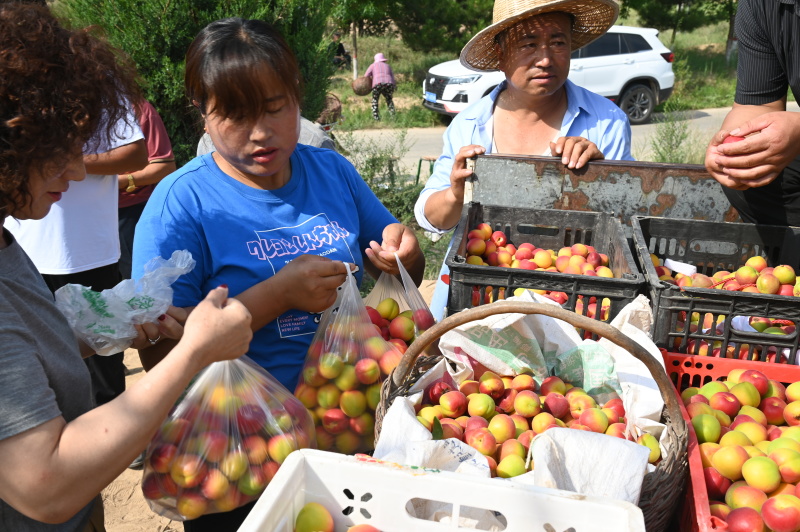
x=703, y=78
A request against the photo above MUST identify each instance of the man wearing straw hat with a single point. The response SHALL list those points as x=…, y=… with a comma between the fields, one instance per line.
x=535, y=111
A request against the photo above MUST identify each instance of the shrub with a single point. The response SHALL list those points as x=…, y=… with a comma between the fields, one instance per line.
x=156, y=35
x=674, y=141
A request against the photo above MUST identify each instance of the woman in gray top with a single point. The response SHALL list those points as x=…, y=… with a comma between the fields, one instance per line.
x=57, y=88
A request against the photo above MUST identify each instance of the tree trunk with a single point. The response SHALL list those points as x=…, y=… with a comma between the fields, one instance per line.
x=731, y=43
x=676, y=23
x=354, y=33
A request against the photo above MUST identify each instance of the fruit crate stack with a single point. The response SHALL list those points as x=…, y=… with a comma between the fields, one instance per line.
x=707, y=321
x=474, y=284
x=721, y=477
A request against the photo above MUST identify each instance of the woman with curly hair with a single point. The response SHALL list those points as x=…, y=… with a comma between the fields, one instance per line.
x=58, y=89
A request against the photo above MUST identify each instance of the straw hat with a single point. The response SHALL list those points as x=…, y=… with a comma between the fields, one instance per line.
x=591, y=19
x=379, y=57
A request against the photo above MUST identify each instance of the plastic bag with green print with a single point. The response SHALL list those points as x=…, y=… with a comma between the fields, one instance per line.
x=105, y=320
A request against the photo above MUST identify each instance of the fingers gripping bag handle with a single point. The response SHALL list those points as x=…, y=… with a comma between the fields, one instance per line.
x=398, y=309
x=421, y=313
x=223, y=442
x=347, y=361
x=386, y=301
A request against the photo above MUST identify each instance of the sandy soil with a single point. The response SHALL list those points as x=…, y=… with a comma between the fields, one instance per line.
x=125, y=507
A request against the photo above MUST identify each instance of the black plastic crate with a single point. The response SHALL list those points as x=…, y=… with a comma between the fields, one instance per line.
x=714, y=246
x=544, y=228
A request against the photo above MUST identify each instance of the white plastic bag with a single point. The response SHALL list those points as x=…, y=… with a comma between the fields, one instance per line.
x=105, y=320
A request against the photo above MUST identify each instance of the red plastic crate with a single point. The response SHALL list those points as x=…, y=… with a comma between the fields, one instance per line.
x=692, y=370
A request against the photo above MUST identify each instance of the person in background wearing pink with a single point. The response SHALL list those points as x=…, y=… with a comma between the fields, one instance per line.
x=135, y=187
x=382, y=83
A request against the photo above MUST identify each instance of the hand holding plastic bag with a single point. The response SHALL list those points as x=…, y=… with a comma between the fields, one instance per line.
x=346, y=363
x=223, y=442
x=389, y=300
x=105, y=320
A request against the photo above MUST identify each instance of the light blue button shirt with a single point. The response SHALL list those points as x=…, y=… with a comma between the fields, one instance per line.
x=588, y=115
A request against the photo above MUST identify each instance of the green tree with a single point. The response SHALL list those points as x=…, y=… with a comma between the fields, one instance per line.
x=724, y=10
x=676, y=15
x=157, y=33
x=360, y=17
x=445, y=25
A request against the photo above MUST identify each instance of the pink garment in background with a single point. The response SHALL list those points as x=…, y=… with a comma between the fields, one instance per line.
x=158, y=147
x=381, y=73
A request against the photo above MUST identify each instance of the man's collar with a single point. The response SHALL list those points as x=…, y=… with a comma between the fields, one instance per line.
x=576, y=103
x=576, y=99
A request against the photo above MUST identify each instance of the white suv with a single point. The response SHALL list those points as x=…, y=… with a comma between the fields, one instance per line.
x=627, y=65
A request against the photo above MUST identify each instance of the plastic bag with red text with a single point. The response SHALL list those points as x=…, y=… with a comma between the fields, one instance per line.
x=341, y=381
x=399, y=310
x=223, y=441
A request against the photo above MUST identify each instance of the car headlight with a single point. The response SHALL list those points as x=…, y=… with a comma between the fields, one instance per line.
x=460, y=80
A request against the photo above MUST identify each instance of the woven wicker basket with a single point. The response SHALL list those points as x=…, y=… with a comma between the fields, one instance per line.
x=362, y=85
x=332, y=111
x=661, y=489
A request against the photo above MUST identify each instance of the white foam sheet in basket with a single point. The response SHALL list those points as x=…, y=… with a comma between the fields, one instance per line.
x=617, y=466
x=384, y=495
x=401, y=433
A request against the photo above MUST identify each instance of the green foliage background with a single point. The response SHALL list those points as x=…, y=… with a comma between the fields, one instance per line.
x=444, y=25
x=679, y=15
x=157, y=33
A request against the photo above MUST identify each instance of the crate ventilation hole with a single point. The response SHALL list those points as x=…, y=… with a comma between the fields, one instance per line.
x=364, y=498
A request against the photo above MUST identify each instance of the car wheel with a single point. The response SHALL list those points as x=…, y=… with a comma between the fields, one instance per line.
x=638, y=103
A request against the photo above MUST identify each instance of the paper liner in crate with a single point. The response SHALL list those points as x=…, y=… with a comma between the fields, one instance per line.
x=105, y=320
x=398, y=309
x=741, y=351
x=547, y=346
x=223, y=442
x=347, y=361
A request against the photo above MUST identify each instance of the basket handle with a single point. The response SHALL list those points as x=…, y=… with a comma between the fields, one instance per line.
x=521, y=307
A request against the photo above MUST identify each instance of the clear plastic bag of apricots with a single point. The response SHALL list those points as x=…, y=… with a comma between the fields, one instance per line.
x=398, y=309
x=223, y=441
x=346, y=364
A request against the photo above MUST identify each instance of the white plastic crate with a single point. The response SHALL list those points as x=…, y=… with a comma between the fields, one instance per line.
x=357, y=491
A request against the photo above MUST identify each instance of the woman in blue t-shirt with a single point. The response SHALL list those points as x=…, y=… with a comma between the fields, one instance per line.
x=276, y=221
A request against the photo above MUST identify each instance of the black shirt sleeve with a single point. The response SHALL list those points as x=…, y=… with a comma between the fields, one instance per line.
x=760, y=76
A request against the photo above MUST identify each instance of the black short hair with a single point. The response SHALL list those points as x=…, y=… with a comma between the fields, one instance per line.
x=240, y=64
